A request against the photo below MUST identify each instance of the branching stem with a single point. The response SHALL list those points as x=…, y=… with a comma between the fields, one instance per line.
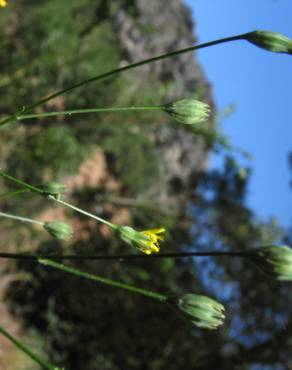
x=121, y=257
x=103, y=280
x=89, y=110
x=25, y=110
x=27, y=351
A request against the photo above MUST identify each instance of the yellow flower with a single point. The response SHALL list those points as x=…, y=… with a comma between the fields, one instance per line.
x=152, y=245
x=3, y=3
x=146, y=241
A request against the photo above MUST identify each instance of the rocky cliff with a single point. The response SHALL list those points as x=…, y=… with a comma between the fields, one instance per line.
x=55, y=44
x=149, y=28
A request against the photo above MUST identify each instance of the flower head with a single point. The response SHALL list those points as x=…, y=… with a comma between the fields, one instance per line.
x=3, y=3
x=188, y=111
x=271, y=41
x=59, y=230
x=274, y=260
x=53, y=188
x=203, y=311
x=146, y=241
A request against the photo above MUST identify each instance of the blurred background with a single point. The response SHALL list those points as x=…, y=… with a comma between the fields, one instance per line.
x=145, y=170
x=261, y=118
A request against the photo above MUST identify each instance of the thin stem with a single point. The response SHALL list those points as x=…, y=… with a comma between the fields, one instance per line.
x=24, y=110
x=115, y=227
x=121, y=257
x=22, y=219
x=21, y=183
x=103, y=280
x=37, y=190
x=13, y=193
x=27, y=351
x=88, y=110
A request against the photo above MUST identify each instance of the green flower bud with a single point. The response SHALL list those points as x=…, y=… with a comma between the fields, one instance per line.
x=274, y=260
x=146, y=241
x=59, y=230
x=270, y=41
x=188, y=111
x=53, y=188
x=203, y=311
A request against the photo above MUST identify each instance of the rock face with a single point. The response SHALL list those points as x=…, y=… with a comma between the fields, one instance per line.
x=143, y=28
x=159, y=27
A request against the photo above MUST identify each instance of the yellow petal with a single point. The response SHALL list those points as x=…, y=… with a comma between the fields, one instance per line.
x=158, y=230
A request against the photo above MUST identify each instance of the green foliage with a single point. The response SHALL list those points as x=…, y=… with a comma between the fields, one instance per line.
x=75, y=44
x=131, y=156
x=50, y=152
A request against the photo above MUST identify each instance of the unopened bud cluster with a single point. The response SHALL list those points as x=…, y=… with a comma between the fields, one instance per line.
x=275, y=261
x=53, y=188
x=271, y=41
x=188, y=111
x=203, y=311
x=59, y=230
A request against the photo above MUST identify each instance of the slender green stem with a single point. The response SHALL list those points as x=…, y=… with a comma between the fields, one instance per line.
x=89, y=110
x=21, y=183
x=13, y=193
x=103, y=280
x=22, y=219
x=115, y=227
x=40, y=191
x=24, y=110
x=27, y=351
x=121, y=257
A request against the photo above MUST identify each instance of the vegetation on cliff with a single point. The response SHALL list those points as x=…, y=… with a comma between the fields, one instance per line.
x=141, y=169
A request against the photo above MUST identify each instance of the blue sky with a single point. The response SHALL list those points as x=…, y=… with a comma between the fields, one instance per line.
x=259, y=83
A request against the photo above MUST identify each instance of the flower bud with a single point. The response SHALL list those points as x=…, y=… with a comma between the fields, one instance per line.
x=270, y=41
x=53, y=188
x=203, y=311
x=146, y=241
x=274, y=260
x=188, y=111
x=59, y=230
